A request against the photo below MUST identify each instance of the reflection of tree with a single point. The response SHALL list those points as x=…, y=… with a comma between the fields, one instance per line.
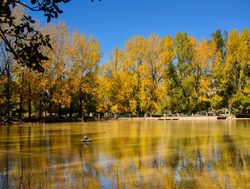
x=152, y=157
x=236, y=157
x=5, y=175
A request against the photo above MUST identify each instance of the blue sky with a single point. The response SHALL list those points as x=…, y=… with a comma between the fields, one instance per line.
x=113, y=22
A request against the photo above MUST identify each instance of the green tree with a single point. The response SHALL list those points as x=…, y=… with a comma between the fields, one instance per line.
x=181, y=85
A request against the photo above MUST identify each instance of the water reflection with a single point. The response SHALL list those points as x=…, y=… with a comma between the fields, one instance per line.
x=125, y=154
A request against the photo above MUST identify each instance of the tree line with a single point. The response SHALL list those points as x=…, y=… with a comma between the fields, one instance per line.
x=177, y=75
x=152, y=75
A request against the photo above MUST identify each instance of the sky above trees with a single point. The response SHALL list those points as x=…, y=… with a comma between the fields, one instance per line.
x=115, y=22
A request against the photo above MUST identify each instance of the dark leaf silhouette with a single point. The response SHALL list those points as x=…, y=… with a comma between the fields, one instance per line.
x=22, y=40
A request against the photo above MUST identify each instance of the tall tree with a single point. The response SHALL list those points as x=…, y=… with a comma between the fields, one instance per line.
x=56, y=67
x=167, y=55
x=182, y=82
x=113, y=88
x=85, y=55
x=6, y=81
x=238, y=69
x=200, y=73
x=135, y=64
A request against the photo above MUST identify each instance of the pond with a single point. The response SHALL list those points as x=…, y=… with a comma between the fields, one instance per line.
x=127, y=154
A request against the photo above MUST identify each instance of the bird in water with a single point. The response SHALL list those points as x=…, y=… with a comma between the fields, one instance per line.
x=86, y=139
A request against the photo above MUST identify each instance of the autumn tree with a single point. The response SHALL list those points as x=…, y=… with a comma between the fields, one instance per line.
x=84, y=55
x=135, y=63
x=237, y=71
x=159, y=56
x=113, y=90
x=56, y=68
x=201, y=72
x=140, y=74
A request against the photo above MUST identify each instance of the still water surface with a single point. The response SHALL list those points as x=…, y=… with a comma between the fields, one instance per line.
x=127, y=154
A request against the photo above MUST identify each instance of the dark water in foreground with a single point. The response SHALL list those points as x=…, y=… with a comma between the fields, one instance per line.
x=127, y=154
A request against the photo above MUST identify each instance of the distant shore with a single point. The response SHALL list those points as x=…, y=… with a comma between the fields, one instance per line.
x=174, y=118
x=186, y=118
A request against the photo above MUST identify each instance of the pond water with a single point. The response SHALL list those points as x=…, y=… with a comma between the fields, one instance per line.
x=127, y=154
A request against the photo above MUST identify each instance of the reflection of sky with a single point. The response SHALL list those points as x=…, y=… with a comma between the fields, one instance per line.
x=106, y=183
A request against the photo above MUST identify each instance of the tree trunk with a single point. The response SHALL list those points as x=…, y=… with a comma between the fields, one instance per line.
x=50, y=102
x=59, y=111
x=8, y=92
x=29, y=108
x=20, y=112
x=8, y=96
x=29, y=102
x=40, y=107
x=71, y=109
x=80, y=105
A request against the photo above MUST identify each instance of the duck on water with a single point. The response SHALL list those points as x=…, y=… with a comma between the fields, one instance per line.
x=86, y=139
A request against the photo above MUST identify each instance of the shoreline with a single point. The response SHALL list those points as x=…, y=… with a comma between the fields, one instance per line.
x=167, y=118
x=185, y=118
